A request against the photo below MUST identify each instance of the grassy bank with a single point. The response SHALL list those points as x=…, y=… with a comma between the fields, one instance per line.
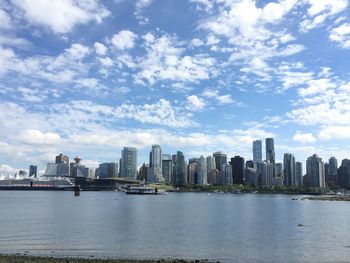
x=35, y=259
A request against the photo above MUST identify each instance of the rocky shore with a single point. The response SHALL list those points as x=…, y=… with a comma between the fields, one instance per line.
x=36, y=259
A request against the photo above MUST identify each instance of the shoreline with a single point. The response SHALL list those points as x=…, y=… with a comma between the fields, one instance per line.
x=25, y=258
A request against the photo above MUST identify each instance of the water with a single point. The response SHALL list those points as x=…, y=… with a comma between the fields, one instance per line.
x=225, y=227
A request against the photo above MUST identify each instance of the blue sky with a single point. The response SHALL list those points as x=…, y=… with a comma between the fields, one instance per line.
x=87, y=77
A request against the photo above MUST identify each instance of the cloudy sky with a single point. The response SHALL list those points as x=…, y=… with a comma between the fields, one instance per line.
x=87, y=77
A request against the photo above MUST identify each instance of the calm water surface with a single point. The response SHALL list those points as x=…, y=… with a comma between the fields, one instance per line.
x=222, y=227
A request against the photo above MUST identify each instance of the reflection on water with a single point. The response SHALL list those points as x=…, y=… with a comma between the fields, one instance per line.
x=226, y=227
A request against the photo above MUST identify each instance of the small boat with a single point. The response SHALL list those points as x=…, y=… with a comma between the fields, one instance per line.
x=144, y=190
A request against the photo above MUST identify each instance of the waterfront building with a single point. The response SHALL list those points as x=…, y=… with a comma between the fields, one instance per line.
x=108, y=170
x=180, y=169
x=202, y=172
x=279, y=170
x=265, y=170
x=210, y=163
x=257, y=151
x=237, y=169
x=277, y=181
x=343, y=178
x=154, y=172
x=332, y=171
x=142, y=175
x=33, y=171
x=128, y=162
x=250, y=164
x=61, y=158
x=167, y=168
x=251, y=177
x=192, y=172
x=315, y=176
x=77, y=169
x=270, y=153
x=213, y=176
x=289, y=169
x=57, y=170
x=220, y=160
x=226, y=177
x=299, y=173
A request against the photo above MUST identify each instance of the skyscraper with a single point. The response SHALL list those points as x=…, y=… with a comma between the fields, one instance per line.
x=220, y=159
x=33, y=171
x=343, y=178
x=257, y=151
x=180, y=169
x=238, y=169
x=154, y=172
x=265, y=171
x=128, y=162
x=332, y=170
x=289, y=169
x=202, y=171
x=299, y=173
x=167, y=167
x=315, y=171
x=62, y=159
x=270, y=150
x=192, y=173
x=108, y=170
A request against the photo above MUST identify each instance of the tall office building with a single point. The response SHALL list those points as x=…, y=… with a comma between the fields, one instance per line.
x=226, y=174
x=238, y=170
x=343, y=178
x=315, y=176
x=299, y=173
x=220, y=159
x=257, y=151
x=202, y=171
x=251, y=176
x=154, y=172
x=289, y=169
x=270, y=153
x=279, y=170
x=167, y=168
x=77, y=169
x=180, y=169
x=270, y=150
x=332, y=170
x=192, y=172
x=108, y=170
x=61, y=158
x=128, y=162
x=210, y=163
x=265, y=171
x=33, y=171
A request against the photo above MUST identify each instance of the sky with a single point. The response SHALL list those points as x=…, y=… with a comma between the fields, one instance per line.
x=88, y=77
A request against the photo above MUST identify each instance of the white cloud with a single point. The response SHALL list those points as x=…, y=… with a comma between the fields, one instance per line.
x=334, y=132
x=141, y=5
x=341, y=35
x=304, y=138
x=195, y=103
x=161, y=113
x=100, y=49
x=125, y=39
x=7, y=170
x=78, y=51
x=5, y=20
x=224, y=99
x=319, y=11
x=165, y=61
x=38, y=137
x=62, y=15
x=316, y=86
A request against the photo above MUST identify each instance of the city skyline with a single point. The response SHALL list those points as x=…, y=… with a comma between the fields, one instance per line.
x=131, y=73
